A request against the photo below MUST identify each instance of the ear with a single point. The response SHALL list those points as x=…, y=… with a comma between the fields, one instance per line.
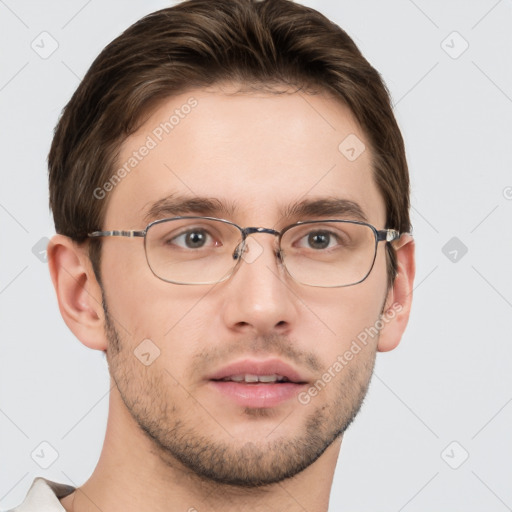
x=398, y=301
x=78, y=291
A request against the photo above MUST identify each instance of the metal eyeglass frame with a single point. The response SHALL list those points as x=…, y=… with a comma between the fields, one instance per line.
x=383, y=235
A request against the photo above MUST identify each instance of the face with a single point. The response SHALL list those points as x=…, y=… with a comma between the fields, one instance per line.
x=255, y=159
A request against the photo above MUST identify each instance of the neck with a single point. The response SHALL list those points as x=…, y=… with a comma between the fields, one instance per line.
x=131, y=475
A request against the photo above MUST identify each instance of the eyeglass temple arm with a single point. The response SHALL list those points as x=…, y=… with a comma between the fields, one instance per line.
x=388, y=235
x=130, y=234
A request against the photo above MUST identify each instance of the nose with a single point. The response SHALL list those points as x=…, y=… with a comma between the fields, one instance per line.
x=260, y=299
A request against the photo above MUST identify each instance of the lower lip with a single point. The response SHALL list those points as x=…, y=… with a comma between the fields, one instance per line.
x=257, y=395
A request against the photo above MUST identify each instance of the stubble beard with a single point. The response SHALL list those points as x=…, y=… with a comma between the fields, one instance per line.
x=177, y=435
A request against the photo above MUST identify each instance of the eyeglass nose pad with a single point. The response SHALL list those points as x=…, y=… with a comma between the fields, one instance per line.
x=241, y=247
x=239, y=250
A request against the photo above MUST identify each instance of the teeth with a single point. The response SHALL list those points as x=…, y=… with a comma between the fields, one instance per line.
x=268, y=378
x=256, y=378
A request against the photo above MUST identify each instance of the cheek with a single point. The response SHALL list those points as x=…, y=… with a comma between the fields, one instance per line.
x=179, y=320
x=143, y=305
x=345, y=313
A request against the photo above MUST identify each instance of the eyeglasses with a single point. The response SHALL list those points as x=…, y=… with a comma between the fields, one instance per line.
x=207, y=250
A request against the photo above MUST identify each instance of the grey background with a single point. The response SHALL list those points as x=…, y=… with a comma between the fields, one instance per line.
x=449, y=380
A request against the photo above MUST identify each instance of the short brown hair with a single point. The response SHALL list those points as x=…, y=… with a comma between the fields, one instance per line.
x=198, y=43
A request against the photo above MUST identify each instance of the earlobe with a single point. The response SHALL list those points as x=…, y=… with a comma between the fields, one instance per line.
x=78, y=292
x=399, y=299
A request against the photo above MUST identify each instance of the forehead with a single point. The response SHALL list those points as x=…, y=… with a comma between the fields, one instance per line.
x=256, y=154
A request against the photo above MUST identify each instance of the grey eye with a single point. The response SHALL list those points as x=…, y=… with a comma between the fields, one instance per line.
x=319, y=240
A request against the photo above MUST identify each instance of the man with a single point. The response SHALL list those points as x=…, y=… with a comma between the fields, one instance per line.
x=231, y=197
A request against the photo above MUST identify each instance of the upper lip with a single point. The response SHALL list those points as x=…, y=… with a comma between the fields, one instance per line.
x=259, y=367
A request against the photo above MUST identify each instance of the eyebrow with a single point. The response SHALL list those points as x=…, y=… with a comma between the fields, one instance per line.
x=328, y=207
x=175, y=205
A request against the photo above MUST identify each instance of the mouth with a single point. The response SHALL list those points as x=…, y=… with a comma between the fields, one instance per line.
x=257, y=384
x=249, y=378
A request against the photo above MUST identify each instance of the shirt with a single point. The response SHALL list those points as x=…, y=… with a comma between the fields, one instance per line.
x=43, y=496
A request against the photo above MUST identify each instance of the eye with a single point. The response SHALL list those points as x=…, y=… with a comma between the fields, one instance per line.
x=194, y=239
x=319, y=240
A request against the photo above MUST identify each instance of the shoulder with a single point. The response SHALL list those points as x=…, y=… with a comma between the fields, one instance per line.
x=43, y=496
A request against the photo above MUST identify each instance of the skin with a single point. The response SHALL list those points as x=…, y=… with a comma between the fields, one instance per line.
x=286, y=153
